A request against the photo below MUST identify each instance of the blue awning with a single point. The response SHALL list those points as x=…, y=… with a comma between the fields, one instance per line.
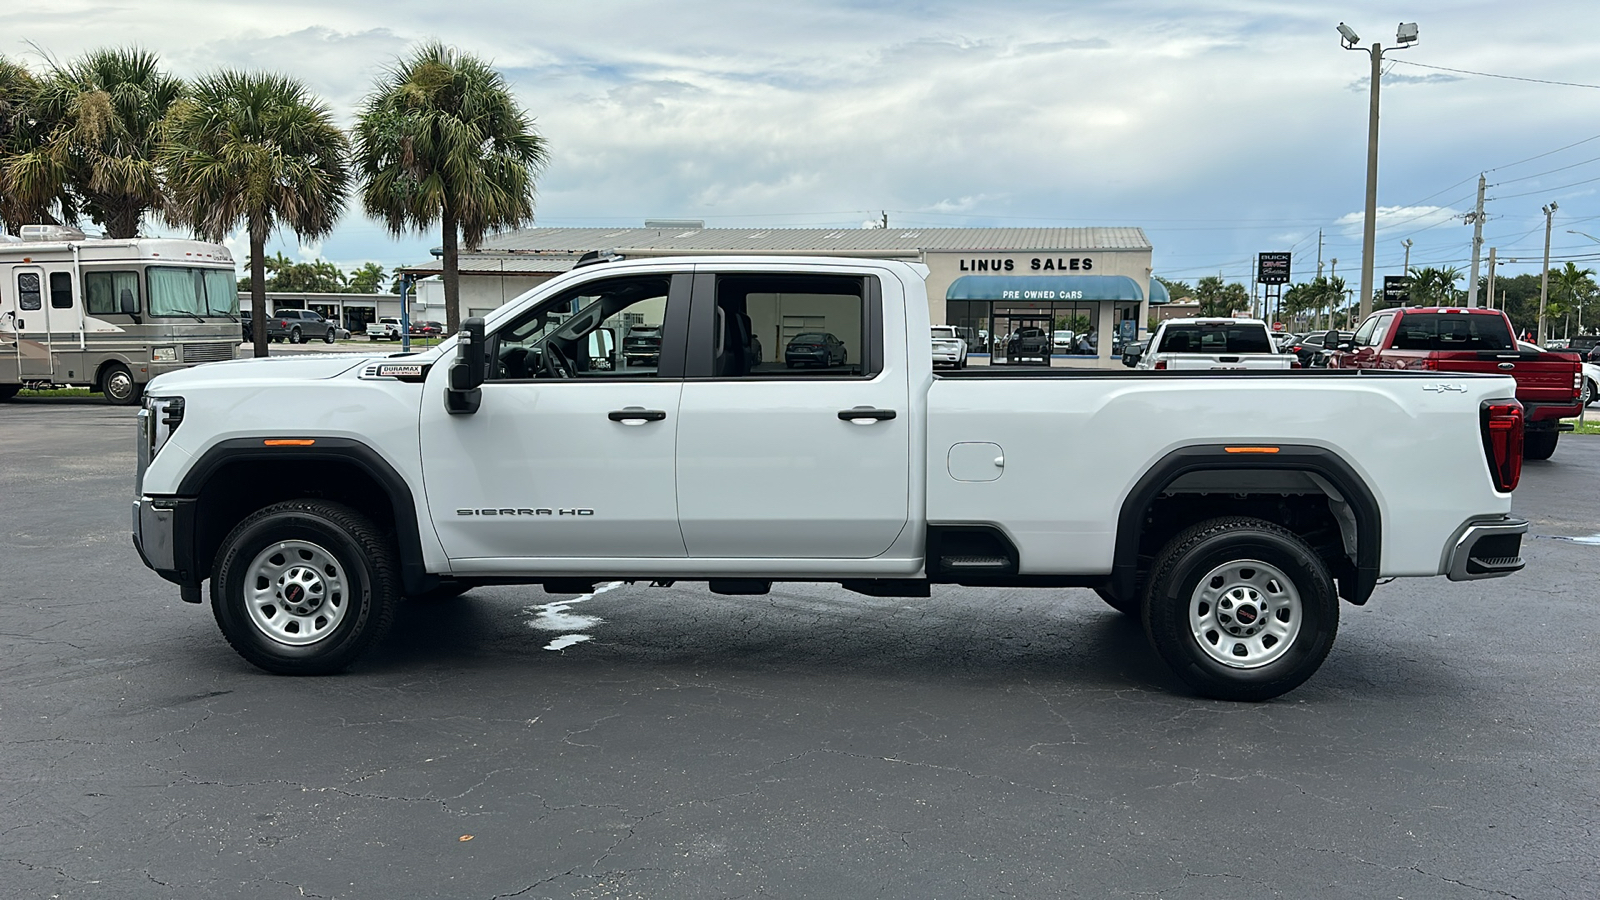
x=1158, y=293
x=1044, y=287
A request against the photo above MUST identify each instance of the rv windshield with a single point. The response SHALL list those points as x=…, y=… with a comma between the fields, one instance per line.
x=184, y=291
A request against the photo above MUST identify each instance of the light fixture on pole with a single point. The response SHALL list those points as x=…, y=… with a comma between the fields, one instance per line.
x=1405, y=36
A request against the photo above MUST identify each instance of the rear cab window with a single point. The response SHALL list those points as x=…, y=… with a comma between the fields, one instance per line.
x=1431, y=331
x=1215, y=337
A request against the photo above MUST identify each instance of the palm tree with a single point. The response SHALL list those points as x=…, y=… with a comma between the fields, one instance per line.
x=33, y=186
x=107, y=108
x=441, y=140
x=255, y=149
x=1434, y=287
x=1575, y=285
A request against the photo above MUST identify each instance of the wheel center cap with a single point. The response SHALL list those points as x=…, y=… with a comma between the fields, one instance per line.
x=1246, y=614
x=294, y=593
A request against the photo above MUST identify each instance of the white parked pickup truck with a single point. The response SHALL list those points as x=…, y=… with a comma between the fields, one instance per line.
x=1229, y=511
x=1215, y=345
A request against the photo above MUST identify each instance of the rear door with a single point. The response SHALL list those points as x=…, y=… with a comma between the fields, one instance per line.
x=800, y=463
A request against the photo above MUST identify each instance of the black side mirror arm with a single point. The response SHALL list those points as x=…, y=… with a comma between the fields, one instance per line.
x=465, y=393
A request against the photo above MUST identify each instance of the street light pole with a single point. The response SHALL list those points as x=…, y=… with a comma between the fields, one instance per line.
x=1544, y=279
x=1405, y=36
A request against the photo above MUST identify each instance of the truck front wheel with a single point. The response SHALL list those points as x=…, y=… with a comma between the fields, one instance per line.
x=304, y=587
x=1241, y=609
x=1539, y=444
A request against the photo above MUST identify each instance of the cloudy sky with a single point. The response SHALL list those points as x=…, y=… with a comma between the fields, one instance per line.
x=1221, y=127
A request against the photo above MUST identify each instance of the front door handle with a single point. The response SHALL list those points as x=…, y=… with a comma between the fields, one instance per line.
x=636, y=415
x=865, y=415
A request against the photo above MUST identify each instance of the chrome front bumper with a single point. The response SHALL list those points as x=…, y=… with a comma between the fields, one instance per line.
x=153, y=529
x=1486, y=549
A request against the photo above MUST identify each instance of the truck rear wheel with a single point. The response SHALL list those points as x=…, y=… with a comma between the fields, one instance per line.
x=1539, y=444
x=304, y=587
x=1241, y=609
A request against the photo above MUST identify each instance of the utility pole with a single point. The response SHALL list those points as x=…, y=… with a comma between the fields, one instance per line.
x=1319, y=252
x=1405, y=269
x=1544, y=279
x=1369, y=225
x=885, y=219
x=1490, y=302
x=1476, y=217
x=1333, y=271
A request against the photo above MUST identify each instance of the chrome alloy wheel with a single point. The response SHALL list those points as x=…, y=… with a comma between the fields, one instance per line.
x=296, y=592
x=1245, y=614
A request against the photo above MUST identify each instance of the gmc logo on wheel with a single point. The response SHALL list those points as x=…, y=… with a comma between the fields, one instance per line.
x=570, y=511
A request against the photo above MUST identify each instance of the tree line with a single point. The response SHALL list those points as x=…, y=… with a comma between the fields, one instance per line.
x=438, y=142
x=1328, y=301
x=322, y=277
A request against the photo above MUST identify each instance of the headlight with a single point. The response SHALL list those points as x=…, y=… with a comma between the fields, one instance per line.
x=165, y=415
x=164, y=354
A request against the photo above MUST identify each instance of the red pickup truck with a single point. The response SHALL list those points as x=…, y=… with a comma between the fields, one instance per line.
x=1452, y=339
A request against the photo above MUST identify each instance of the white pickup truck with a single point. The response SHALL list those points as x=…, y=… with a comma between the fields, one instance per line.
x=1229, y=511
x=1214, y=344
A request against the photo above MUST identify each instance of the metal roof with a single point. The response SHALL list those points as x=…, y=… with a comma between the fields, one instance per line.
x=497, y=264
x=903, y=241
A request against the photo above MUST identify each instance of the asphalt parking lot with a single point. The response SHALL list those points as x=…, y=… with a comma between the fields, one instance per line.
x=810, y=743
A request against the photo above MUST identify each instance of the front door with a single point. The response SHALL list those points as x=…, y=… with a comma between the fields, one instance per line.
x=801, y=462
x=34, y=357
x=570, y=454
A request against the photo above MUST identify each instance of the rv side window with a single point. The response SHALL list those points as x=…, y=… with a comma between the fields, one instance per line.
x=102, y=291
x=29, y=291
x=60, y=290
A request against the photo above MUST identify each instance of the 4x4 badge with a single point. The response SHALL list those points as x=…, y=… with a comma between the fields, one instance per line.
x=1448, y=386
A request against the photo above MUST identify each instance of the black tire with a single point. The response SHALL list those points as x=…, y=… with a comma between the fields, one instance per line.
x=364, y=563
x=1593, y=392
x=1174, y=601
x=327, y=336
x=295, y=337
x=1126, y=607
x=1539, y=444
x=7, y=391
x=118, y=386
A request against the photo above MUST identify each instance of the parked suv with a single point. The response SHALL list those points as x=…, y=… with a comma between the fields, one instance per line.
x=642, y=346
x=1028, y=343
x=299, y=325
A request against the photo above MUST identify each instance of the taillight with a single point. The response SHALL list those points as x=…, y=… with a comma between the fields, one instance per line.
x=1295, y=364
x=1160, y=364
x=1431, y=364
x=1577, y=382
x=1502, y=442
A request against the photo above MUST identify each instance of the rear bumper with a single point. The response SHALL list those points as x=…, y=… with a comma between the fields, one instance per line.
x=1488, y=548
x=1546, y=416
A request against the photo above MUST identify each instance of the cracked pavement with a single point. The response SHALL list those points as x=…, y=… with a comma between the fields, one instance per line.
x=807, y=743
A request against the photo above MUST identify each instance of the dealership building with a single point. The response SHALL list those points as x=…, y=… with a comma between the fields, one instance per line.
x=1094, y=281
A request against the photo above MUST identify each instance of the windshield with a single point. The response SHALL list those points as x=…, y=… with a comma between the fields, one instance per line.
x=185, y=291
x=1217, y=337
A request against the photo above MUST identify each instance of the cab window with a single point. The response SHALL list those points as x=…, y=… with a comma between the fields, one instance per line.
x=103, y=292
x=786, y=326
x=615, y=328
x=1364, y=333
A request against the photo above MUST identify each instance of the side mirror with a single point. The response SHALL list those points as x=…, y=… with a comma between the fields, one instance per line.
x=1132, y=356
x=602, y=349
x=128, y=305
x=467, y=374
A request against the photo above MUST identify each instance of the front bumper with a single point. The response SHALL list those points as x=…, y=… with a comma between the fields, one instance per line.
x=163, y=533
x=1489, y=548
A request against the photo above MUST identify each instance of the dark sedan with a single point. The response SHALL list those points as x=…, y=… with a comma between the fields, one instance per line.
x=815, y=348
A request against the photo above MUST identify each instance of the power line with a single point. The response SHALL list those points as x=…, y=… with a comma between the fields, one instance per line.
x=1545, y=172
x=1408, y=62
x=1548, y=190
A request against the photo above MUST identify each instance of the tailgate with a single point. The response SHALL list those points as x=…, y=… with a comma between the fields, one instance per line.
x=1541, y=377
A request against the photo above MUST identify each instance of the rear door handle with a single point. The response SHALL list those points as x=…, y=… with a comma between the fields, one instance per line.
x=865, y=415
x=636, y=415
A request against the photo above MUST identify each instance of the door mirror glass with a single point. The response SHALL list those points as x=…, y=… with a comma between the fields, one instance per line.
x=602, y=349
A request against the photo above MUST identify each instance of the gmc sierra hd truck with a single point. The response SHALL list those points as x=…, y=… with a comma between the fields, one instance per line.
x=1228, y=511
